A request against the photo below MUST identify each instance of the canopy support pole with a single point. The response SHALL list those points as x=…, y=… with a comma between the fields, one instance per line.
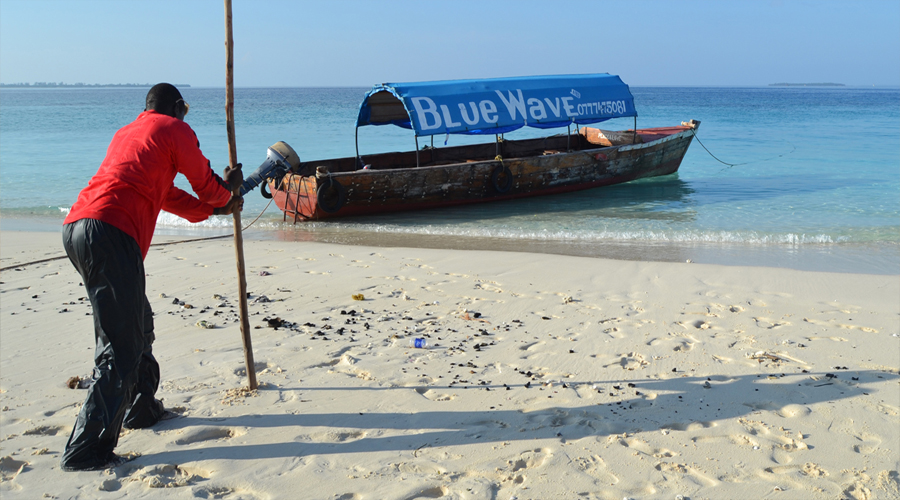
x=356, y=139
x=417, y=151
x=634, y=135
x=569, y=137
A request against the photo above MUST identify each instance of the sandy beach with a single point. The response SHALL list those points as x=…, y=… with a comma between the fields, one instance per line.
x=544, y=377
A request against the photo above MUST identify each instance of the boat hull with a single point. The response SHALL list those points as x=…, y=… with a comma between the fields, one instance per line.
x=331, y=192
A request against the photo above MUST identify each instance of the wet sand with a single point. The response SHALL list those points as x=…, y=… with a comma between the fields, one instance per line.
x=855, y=258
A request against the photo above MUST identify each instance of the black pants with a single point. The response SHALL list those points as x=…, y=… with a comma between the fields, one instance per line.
x=126, y=375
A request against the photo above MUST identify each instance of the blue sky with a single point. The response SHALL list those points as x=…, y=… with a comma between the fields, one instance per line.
x=360, y=43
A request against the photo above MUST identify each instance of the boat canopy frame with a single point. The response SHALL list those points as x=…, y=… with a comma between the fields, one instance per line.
x=497, y=105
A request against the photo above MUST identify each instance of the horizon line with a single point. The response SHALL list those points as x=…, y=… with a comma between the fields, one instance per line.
x=185, y=85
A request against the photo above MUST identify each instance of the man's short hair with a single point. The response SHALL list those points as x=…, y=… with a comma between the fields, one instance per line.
x=162, y=98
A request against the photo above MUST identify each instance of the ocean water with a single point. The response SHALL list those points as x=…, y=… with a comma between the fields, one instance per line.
x=814, y=180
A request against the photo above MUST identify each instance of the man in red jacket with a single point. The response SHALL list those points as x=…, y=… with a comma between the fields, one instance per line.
x=107, y=235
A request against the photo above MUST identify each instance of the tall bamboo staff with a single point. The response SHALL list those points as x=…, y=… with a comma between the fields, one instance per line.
x=238, y=236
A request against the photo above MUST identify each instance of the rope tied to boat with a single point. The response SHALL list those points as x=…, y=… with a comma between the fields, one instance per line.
x=258, y=216
x=229, y=235
x=729, y=165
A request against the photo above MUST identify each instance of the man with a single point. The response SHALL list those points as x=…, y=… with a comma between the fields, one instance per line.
x=107, y=235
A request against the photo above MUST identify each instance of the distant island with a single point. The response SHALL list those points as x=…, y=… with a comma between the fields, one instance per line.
x=807, y=85
x=46, y=85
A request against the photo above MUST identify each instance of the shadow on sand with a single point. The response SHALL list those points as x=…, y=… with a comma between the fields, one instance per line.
x=677, y=404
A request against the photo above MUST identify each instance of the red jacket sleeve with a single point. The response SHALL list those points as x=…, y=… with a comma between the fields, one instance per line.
x=189, y=160
x=186, y=206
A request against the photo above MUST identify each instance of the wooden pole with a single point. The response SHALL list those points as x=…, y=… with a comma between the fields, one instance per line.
x=238, y=236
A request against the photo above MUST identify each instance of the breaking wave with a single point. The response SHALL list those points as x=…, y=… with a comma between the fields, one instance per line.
x=497, y=230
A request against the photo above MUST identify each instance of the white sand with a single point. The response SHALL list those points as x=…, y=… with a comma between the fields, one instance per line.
x=577, y=377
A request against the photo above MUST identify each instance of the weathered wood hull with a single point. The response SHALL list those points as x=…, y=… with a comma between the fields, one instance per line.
x=534, y=167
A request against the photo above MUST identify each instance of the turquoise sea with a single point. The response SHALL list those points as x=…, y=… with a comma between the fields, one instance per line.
x=815, y=185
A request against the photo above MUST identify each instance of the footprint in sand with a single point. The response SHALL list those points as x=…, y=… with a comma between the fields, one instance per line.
x=529, y=460
x=738, y=439
x=258, y=366
x=684, y=342
x=889, y=481
x=209, y=434
x=595, y=466
x=419, y=266
x=887, y=409
x=46, y=430
x=784, y=411
x=672, y=467
x=793, y=411
x=813, y=470
x=434, y=492
x=433, y=395
x=341, y=359
x=642, y=447
x=689, y=472
x=170, y=476
x=344, y=365
x=10, y=468
x=683, y=346
x=614, y=333
x=333, y=436
x=695, y=325
x=782, y=469
x=227, y=493
x=868, y=443
x=646, y=401
x=489, y=287
x=631, y=361
x=754, y=427
x=688, y=426
x=834, y=339
x=832, y=324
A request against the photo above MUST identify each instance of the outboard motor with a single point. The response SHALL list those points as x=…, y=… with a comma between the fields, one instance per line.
x=280, y=159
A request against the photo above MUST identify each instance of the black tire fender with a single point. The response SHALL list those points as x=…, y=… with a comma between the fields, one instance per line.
x=502, y=179
x=331, y=195
x=263, y=190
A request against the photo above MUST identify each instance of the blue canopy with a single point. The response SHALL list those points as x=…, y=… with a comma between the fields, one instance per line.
x=497, y=105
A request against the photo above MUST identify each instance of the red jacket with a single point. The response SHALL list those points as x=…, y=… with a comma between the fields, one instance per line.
x=134, y=181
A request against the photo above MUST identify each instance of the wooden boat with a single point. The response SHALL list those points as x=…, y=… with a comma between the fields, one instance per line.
x=500, y=170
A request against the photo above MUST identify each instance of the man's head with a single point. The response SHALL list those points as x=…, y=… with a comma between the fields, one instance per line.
x=166, y=99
